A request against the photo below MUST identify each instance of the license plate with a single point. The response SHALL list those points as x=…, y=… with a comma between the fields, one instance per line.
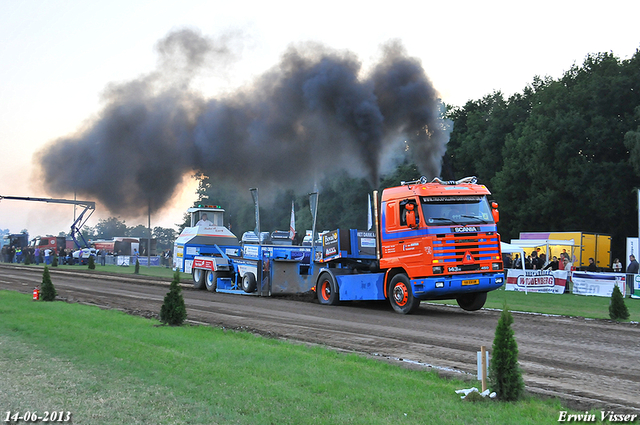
x=470, y=282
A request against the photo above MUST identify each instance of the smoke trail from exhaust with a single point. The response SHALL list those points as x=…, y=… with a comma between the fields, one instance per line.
x=310, y=115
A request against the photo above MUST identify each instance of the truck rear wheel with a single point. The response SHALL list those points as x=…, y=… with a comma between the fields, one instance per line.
x=327, y=290
x=198, y=278
x=211, y=280
x=472, y=302
x=400, y=295
x=249, y=283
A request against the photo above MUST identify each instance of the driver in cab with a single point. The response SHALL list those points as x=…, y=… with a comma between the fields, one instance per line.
x=204, y=221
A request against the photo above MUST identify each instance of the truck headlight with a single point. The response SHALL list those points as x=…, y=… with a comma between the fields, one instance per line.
x=496, y=266
x=499, y=280
x=437, y=269
x=439, y=284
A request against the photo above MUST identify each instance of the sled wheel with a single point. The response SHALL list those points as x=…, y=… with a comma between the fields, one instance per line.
x=472, y=302
x=211, y=280
x=400, y=295
x=198, y=278
x=249, y=283
x=327, y=290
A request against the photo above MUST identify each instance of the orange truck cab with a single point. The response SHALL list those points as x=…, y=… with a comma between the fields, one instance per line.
x=439, y=241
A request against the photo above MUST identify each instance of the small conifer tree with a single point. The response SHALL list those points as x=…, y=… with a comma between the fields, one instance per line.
x=48, y=292
x=92, y=263
x=27, y=258
x=54, y=263
x=504, y=372
x=173, y=312
x=617, y=308
x=137, y=269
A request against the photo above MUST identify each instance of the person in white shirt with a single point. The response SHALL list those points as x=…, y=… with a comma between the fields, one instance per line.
x=204, y=221
x=617, y=266
x=47, y=256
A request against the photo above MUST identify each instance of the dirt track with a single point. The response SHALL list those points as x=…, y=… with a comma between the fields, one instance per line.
x=588, y=363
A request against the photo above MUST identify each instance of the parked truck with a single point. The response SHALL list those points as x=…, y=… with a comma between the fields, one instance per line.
x=430, y=241
x=54, y=243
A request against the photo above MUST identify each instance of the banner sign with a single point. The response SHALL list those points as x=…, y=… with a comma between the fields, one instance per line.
x=547, y=281
x=636, y=286
x=598, y=284
x=366, y=242
x=155, y=261
x=331, y=245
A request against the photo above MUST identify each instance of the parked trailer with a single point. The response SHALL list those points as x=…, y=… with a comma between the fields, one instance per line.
x=431, y=240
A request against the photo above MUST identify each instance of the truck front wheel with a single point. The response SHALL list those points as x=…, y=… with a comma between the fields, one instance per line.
x=327, y=290
x=472, y=302
x=400, y=295
x=198, y=278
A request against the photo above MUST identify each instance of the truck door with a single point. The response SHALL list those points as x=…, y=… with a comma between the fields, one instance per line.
x=402, y=241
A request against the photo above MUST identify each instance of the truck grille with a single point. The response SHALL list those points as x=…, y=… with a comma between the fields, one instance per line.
x=451, y=249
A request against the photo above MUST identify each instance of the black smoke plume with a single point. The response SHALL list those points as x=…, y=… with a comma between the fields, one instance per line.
x=310, y=115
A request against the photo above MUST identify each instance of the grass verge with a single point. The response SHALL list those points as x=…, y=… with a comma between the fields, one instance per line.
x=108, y=367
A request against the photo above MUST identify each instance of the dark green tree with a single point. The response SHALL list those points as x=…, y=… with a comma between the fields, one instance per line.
x=48, y=291
x=92, y=263
x=139, y=231
x=504, y=372
x=54, y=262
x=407, y=171
x=173, y=312
x=342, y=203
x=110, y=228
x=562, y=155
x=480, y=130
x=165, y=237
x=88, y=233
x=137, y=267
x=617, y=308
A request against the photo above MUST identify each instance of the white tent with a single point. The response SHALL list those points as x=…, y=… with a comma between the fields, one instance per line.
x=508, y=248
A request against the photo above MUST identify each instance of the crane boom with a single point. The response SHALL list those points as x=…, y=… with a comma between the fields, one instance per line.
x=80, y=221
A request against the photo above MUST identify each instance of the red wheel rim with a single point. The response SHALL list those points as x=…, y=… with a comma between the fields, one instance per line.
x=325, y=290
x=400, y=294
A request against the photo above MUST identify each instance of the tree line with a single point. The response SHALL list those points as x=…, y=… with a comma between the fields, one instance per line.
x=562, y=155
x=342, y=202
x=115, y=227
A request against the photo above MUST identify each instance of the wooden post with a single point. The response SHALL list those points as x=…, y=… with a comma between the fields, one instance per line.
x=483, y=357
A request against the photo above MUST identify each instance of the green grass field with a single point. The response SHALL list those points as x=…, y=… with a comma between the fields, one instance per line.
x=106, y=367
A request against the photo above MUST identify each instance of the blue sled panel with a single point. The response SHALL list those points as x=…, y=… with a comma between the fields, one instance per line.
x=366, y=286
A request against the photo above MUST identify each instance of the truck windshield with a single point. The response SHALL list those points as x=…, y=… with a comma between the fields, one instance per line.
x=456, y=209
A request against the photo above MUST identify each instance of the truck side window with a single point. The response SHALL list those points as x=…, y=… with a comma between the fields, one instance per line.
x=408, y=212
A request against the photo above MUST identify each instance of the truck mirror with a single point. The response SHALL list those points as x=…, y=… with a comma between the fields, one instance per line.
x=411, y=216
x=495, y=212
